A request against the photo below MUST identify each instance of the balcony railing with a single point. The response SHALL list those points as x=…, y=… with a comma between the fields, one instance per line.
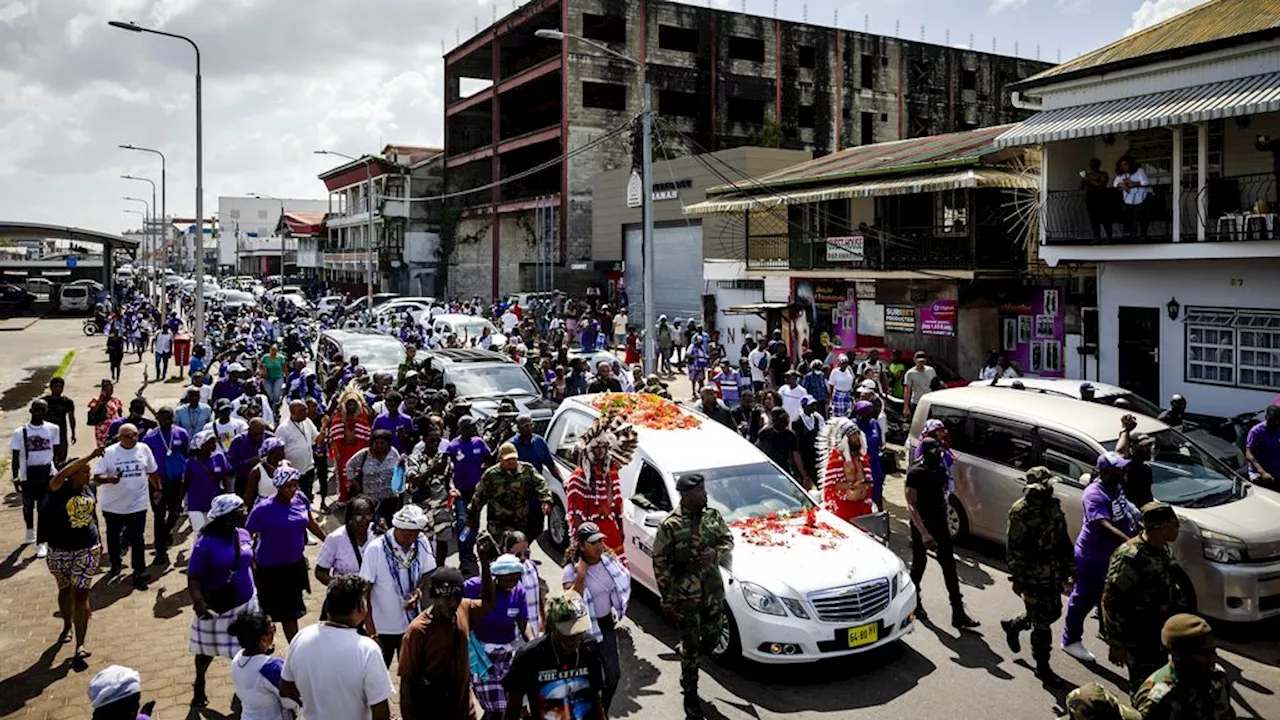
x=1100, y=217
x=935, y=248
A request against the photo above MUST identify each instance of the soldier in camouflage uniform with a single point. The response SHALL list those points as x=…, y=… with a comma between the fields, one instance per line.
x=1191, y=684
x=1093, y=702
x=691, y=545
x=508, y=489
x=1140, y=593
x=1041, y=565
x=654, y=386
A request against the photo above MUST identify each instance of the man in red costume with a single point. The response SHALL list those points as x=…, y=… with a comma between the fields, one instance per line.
x=593, y=492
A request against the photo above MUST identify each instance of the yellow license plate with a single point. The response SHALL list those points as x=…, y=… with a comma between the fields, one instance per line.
x=864, y=635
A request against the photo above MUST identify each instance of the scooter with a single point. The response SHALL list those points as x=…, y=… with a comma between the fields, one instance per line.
x=93, y=326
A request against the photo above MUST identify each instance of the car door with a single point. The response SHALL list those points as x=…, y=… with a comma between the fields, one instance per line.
x=562, y=437
x=996, y=456
x=1069, y=458
x=646, y=501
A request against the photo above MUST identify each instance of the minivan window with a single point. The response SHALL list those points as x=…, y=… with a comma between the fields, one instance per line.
x=74, y=292
x=1066, y=456
x=1001, y=442
x=1183, y=474
x=954, y=420
x=651, y=487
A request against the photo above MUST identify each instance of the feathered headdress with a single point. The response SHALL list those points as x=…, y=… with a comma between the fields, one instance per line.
x=613, y=432
x=838, y=429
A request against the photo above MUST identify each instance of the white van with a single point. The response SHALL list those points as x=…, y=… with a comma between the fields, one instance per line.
x=75, y=299
x=803, y=600
x=1230, y=540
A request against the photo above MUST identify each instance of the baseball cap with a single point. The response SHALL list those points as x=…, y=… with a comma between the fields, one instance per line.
x=1087, y=387
x=589, y=532
x=1112, y=460
x=567, y=613
x=867, y=385
x=507, y=450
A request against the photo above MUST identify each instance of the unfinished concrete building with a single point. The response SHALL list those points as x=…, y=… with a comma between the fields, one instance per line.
x=720, y=80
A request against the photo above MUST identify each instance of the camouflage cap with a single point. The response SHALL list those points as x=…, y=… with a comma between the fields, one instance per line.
x=1040, y=475
x=1093, y=702
x=567, y=613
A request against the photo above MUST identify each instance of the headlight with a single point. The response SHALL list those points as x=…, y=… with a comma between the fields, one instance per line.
x=796, y=607
x=901, y=581
x=1222, y=548
x=761, y=600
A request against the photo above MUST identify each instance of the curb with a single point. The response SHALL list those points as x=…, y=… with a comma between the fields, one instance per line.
x=65, y=364
x=33, y=321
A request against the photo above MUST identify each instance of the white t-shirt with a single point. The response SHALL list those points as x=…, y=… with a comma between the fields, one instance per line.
x=227, y=431
x=132, y=466
x=385, y=600
x=619, y=323
x=791, y=397
x=339, y=557
x=333, y=690
x=164, y=343
x=298, y=437
x=509, y=322
x=841, y=380
x=38, y=449
x=753, y=359
x=257, y=682
x=920, y=382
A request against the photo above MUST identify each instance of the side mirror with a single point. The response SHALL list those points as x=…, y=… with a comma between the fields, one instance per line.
x=654, y=519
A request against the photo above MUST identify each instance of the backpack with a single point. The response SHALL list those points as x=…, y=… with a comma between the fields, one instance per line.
x=763, y=362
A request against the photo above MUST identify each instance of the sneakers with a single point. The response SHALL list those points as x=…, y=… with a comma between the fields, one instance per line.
x=1011, y=635
x=42, y=550
x=1078, y=651
x=31, y=537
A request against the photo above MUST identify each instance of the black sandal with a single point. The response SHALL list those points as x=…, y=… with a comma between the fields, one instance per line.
x=65, y=637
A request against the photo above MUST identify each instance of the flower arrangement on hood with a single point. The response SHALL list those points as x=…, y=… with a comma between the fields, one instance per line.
x=779, y=529
x=645, y=410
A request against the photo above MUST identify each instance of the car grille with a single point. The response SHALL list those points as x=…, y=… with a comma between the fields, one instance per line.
x=853, y=603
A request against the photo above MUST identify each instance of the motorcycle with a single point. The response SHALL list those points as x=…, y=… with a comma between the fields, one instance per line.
x=94, y=326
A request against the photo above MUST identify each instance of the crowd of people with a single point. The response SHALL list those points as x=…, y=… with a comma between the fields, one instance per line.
x=258, y=450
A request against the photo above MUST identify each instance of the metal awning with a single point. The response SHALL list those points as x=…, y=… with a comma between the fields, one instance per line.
x=971, y=178
x=1229, y=98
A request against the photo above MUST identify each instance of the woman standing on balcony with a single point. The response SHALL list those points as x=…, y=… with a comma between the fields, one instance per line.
x=1136, y=186
x=1097, y=198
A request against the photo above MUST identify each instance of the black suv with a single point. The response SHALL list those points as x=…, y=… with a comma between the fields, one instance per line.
x=484, y=378
x=377, y=352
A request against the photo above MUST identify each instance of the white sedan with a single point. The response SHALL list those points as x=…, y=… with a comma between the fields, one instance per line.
x=467, y=328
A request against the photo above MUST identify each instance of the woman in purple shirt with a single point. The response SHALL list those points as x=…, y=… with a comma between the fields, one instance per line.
x=280, y=524
x=220, y=583
x=1109, y=521
x=205, y=475
x=499, y=630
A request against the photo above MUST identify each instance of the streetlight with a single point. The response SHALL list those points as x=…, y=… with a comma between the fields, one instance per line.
x=147, y=259
x=164, y=216
x=145, y=219
x=199, y=269
x=368, y=178
x=649, y=294
x=262, y=196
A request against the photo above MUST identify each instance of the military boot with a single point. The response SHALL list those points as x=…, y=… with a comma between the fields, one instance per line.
x=1046, y=675
x=692, y=703
x=961, y=620
x=1012, y=634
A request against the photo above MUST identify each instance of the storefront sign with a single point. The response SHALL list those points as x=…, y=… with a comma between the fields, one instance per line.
x=938, y=318
x=899, y=319
x=845, y=249
x=829, y=316
x=661, y=191
x=866, y=289
x=635, y=191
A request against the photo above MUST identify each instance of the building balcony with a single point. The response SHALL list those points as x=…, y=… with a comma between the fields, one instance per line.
x=904, y=249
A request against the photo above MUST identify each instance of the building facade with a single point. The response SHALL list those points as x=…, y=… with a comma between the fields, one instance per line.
x=720, y=80
x=1185, y=261
x=248, y=242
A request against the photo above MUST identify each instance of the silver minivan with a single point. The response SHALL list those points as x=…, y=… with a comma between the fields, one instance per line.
x=1230, y=540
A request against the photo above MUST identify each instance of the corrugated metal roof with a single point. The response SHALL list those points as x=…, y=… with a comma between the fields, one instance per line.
x=969, y=178
x=1229, y=98
x=900, y=156
x=1217, y=21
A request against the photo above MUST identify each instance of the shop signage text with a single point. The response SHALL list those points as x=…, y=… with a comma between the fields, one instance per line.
x=899, y=319
x=938, y=318
x=845, y=249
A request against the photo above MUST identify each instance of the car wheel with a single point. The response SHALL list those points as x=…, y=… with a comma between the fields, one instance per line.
x=728, y=648
x=558, y=526
x=957, y=519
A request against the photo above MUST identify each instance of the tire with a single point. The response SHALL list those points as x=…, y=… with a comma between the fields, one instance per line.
x=557, y=533
x=90, y=329
x=729, y=649
x=957, y=520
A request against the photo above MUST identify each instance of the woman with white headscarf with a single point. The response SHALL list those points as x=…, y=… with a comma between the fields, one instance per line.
x=261, y=478
x=221, y=585
x=280, y=524
x=397, y=566
x=115, y=693
x=206, y=475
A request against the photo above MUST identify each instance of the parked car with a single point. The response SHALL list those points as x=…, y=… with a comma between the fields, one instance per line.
x=1230, y=541
x=484, y=379
x=236, y=299
x=377, y=352
x=75, y=299
x=41, y=286
x=14, y=300
x=802, y=600
x=362, y=302
x=466, y=327
x=414, y=306
x=1224, y=450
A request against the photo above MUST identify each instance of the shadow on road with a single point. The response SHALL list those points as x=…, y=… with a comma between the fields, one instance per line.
x=11, y=565
x=31, y=683
x=170, y=606
x=970, y=650
x=638, y=675
x=1238, y=681
x=1242, y=639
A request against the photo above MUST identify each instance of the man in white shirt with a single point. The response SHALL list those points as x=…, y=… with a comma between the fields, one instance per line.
x=1136, y=188
x=873, y=362
x=127, y=474
x=299, y=435
x=397, y=566
x=32, y=446
x=358, y=686
x=620, y=328
x=758, y=359
x=793, y=395
x=163, y=345
x=918, y=381
x=509, y=321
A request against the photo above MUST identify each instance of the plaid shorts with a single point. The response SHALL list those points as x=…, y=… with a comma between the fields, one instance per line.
x=488, y=689
x=74, y=568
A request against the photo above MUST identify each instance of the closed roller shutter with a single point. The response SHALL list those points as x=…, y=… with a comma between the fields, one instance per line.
x=678, y=282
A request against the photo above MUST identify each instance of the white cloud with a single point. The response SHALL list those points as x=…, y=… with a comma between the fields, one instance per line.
x=998, y=6
x=1152, y=12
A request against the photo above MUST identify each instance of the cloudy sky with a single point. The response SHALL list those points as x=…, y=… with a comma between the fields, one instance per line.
x=285, y=77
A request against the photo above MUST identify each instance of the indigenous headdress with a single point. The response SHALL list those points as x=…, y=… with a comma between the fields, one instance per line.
x=351, y=392
x=612, y=432
x=835, y=436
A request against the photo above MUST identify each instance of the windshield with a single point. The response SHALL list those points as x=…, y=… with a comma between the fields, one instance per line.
x=376, y=354
x=1183, y=474
x=472, y=329
x=490, y=380
x=237, y=297
x=1137, y=403
x=753, y=491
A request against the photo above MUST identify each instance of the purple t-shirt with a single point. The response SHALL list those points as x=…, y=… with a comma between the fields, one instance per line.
x=498, y=626
x=468, y=462
x=211, y=560
x=1265, y=445
x=170, y=451
x=243, y=453
x=204, y=480
x=1097, y=545
x=281, y=530
x=387, y=422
